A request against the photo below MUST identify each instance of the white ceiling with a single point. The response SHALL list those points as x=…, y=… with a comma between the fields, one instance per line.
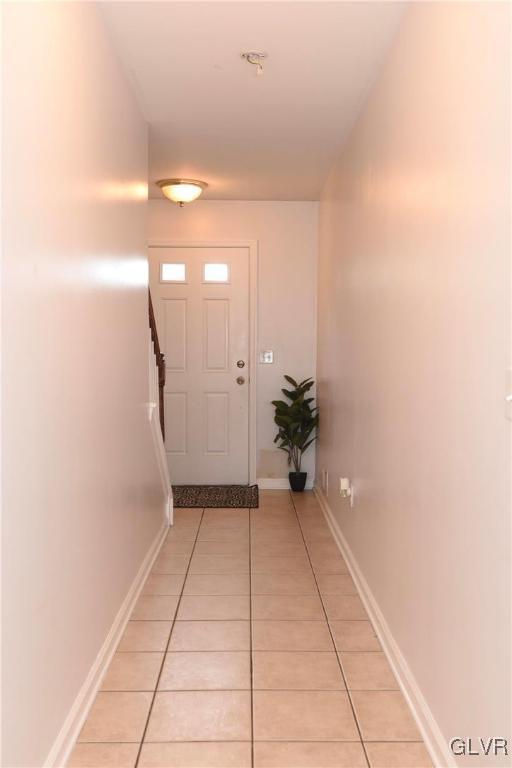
x=271, y=137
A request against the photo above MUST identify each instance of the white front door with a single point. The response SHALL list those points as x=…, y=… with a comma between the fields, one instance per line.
x=201, y=303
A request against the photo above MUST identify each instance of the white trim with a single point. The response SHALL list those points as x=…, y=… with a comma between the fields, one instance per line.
x=161, y=460
x=252, y=246
x=65, y=741
x=429, y=729
x=156, y=434
x=253, y=362
x=278, y=484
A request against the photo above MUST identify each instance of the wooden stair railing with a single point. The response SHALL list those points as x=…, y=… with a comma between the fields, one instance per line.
x=160, y=363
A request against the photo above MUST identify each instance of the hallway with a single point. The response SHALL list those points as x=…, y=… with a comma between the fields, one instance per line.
x=181, y=679
x=238, y=197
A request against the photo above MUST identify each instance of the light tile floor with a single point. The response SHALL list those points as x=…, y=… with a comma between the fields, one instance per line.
x=249, y=646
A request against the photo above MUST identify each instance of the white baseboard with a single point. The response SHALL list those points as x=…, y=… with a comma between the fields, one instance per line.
x=430, y=731
x=65, y=741
x=278, y=484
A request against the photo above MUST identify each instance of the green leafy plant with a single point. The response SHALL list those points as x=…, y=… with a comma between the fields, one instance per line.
x=297, y=420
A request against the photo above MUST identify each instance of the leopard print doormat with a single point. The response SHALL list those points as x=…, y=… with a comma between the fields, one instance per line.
x=215, y=496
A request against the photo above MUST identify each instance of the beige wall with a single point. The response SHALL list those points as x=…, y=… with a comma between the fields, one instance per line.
x=287, y=254
x=82, y=500
x=413, y=348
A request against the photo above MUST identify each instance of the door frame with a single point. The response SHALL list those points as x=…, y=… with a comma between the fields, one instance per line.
x=252, y=247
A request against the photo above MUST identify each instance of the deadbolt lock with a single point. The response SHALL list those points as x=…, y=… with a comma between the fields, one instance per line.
x=240, y=364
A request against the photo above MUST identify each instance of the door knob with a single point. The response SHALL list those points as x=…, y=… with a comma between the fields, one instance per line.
x=240, y=364
x=240, y=380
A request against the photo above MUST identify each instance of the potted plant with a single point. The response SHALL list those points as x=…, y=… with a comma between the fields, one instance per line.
x=297, y=420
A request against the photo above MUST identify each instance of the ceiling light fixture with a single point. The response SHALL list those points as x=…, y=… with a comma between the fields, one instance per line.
x=182, y=191
x=255, y=57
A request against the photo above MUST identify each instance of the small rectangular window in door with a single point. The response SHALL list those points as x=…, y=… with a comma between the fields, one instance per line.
x=216, y=273
x=173, y=273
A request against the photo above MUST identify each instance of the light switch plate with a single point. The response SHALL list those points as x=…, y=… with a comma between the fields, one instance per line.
x=267, y=356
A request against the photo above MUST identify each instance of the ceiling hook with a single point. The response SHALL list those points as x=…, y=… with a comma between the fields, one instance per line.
x=255, y=57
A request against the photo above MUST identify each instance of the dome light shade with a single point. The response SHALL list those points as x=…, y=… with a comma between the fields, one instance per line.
x=182, y=191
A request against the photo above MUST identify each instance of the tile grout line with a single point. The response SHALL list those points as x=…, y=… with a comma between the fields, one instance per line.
x=332, y=637
x=263, y=741
x=256, y=594
x=268, y=650
x=282, y=690
x=193, y=621
x=167, y=646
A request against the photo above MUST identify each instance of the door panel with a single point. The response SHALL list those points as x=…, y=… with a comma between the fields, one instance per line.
x=216, y=334
x=203, y=324
x=175, y=422
x=175, y=337
x=217, y=422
